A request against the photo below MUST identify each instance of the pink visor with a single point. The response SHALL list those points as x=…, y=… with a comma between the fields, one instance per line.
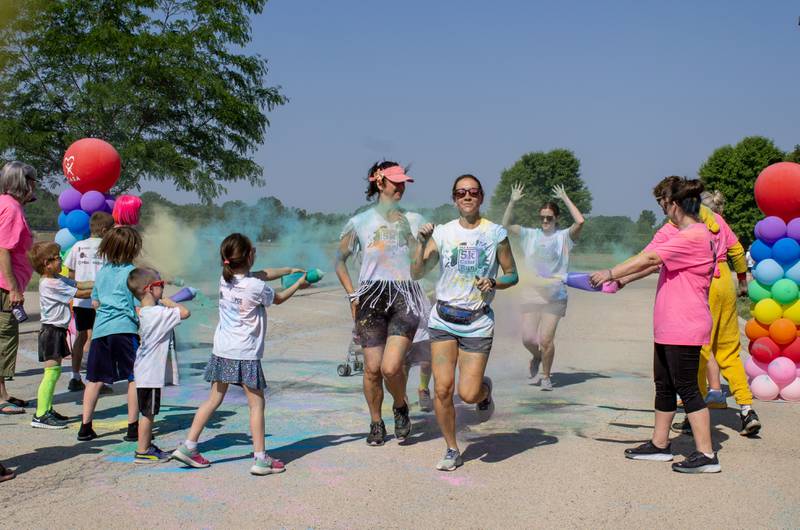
x=395, y=174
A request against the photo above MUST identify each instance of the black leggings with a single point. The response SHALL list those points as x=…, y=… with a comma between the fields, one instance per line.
x=675, y=372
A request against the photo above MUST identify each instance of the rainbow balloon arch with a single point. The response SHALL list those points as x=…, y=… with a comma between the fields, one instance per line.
x=773, y=369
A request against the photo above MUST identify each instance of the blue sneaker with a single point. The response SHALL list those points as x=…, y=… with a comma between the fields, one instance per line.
x=153, y=455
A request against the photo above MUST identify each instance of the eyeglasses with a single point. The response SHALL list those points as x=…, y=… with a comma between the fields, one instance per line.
x=460, y=193
x=157, y=283
x=546, y=218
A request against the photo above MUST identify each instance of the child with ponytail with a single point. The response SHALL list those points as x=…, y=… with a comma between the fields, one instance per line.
x=239, y=347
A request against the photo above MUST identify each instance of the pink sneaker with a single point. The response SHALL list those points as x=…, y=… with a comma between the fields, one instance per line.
x=191, y=458
x=268, y=466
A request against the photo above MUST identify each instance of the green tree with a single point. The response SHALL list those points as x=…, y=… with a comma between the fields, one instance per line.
x=539, y=172
x=733, y=171
x=161, y=80
x=794, y=156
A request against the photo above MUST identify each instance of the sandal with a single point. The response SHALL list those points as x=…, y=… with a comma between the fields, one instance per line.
x=18, y=402
x=8, y=409
x=6, y=474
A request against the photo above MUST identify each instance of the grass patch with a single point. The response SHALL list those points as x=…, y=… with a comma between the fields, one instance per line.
x=743, y=308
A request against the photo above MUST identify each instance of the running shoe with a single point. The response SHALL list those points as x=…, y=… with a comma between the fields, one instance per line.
x=58, y=416
x=682, y=427
x=649, y=451
x=47, y=421
x=133, y=432
x=486, y=406
x=425, y=401
x=715, y=399
x=697, y=462
x=452, y=459
x=75, y=385
x=190, y=457
x=267, y=466
x=546, y=384
x=533, y=369
x=750, y=423
x=402, y=423
x=153, y=455
x=377, y=433
x=86, y=433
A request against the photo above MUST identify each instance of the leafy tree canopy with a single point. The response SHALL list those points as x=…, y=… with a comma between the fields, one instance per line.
x=733, y=169
x=539, y=172
x=158, y=79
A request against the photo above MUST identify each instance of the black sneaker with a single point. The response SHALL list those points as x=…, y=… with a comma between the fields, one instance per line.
x=402, y=423
x=47, y=421
x=649, y=451
x=377, y=433
x=682, y=427
x=58, y=416
x=133, y=432
x=750, y=423
x=697, y=462
x=75, y=385
x=486, y=407
x=86, y=433
x=106, y=389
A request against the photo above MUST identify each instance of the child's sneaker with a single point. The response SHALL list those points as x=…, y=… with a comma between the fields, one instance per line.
x=190, y=457
x=715, y=399
x=151, y=456
x=75, y=385
x=47, y=421
x=133, y=432
x=268, y=466
x=86, y=433
x=452, y=459
x=425, y=401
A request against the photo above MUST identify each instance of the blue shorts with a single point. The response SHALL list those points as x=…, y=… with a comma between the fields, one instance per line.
x=111, y=358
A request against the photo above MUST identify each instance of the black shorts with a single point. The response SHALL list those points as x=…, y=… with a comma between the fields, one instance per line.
x=52, y=343
x=383, y=312
x=149, y=401
x=111, y=358
x=84, y=318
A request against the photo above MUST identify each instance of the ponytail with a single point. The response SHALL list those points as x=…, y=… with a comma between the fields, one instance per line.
x=234, y=252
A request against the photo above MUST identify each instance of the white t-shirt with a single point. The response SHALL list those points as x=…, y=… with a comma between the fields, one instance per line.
x=547, y=259
x=242, y=325
x=464, y=254
x=384, y=254
x=155, y=329
x=54, y=297
x=83, y=259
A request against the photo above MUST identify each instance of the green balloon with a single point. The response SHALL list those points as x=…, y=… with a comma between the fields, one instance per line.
x=784, y=291
x=757, y=292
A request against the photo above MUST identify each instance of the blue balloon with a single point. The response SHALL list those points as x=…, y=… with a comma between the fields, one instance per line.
x=785, y=251
x=768, y=272
x=62, y=220
x=793, y=273
x=65, y=239
x=78, y=222
x=760, y=251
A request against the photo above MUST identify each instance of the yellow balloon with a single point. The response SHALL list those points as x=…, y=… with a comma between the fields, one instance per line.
x=767, y=311
x=792, y=312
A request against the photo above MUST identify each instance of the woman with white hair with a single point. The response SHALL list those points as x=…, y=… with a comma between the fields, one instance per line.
x=17, y=185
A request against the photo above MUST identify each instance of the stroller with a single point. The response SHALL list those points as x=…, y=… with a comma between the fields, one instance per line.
x=354, y=361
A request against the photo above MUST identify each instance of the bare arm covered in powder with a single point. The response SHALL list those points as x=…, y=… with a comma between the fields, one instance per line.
x=425, y=253
x=509, y=278
x=273, y=274
x=516, y=195
x=343, y=252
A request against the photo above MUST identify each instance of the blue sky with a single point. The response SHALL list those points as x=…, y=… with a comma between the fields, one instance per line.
x=637, y=89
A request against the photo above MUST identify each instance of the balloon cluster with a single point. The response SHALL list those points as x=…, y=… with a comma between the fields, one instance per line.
x=773, y=368
x=91, y=167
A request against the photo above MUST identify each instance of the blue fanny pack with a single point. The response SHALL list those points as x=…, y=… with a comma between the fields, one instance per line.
x=459, y=315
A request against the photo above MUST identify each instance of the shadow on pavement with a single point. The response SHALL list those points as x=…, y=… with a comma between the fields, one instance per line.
x=43, y=456
x=497, y=447
x=561, y=380
x=286, y=453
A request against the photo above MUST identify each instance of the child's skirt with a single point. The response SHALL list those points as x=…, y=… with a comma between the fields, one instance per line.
x=236, y=372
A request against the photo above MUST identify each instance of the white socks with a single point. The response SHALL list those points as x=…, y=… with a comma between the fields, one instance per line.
x=190, y=445
x=260, y=455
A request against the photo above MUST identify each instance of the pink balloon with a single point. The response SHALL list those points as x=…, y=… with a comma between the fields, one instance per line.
x=791, y=392
x=782, y=371
x=754, y=368
x=764, y=388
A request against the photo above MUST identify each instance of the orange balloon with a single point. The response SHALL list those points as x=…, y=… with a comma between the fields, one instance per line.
x=755, y=329
x=783, y=331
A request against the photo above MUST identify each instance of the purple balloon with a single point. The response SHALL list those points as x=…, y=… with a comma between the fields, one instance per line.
x=70, y=199
x=793, y=229
x=110, y=205
x=772, y=229
x=93, y=201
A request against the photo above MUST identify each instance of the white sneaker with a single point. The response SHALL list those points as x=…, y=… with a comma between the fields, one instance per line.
x=546, y=384
x=533, y=368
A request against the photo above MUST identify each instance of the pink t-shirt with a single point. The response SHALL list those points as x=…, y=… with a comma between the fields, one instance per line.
x=723, y=240
x=16, y=237
x=681, y=315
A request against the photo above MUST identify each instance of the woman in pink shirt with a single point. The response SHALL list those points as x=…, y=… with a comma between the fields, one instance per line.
x=17, y=183
x=681, y=324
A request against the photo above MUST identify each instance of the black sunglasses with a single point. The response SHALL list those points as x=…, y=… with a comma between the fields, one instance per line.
x=460, y=193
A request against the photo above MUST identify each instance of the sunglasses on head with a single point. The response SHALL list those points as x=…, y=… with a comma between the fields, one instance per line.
x=460, y=193
x=157, y=283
